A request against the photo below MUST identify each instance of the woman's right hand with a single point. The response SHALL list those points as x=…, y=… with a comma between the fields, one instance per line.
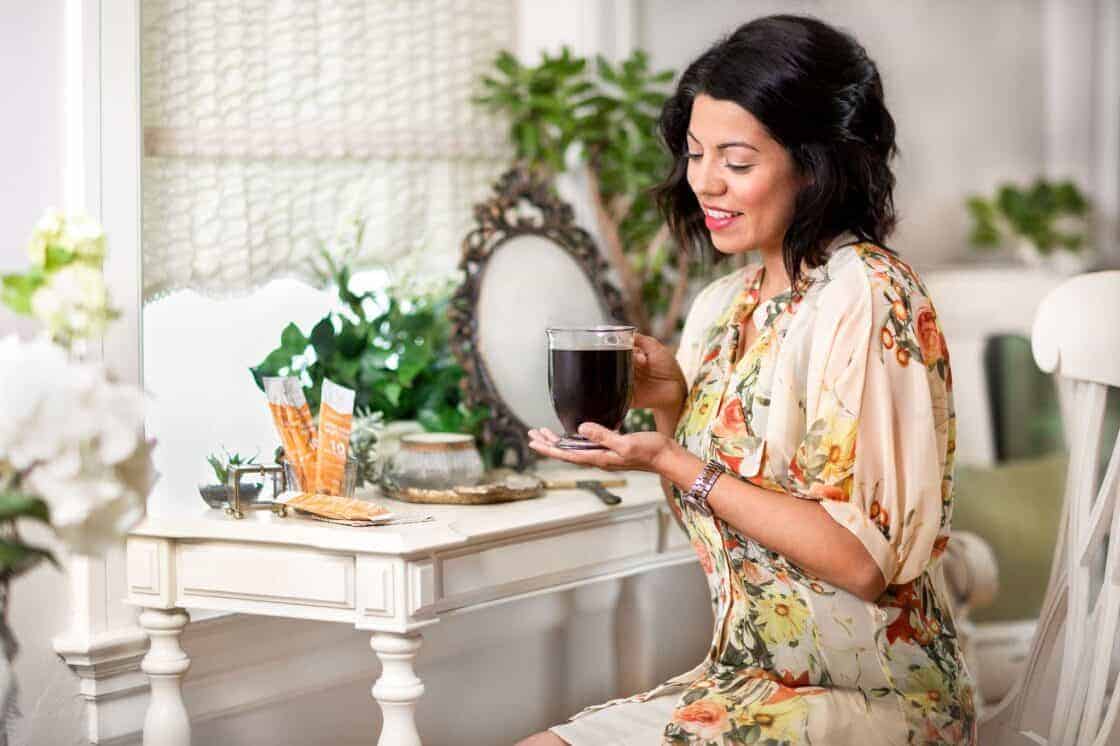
x=658, y=381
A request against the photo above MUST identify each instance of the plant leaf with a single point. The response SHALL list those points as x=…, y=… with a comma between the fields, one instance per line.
x=57, y=257
x=292, y=339
x=17, y=557
x=18, y=289
x=323, y=338
x=23, y=505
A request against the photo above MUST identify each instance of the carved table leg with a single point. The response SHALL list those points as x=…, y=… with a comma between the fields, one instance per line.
x=167, y=722
x=398, y=689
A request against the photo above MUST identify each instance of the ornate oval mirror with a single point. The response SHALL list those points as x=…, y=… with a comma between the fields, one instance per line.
x=527, y=267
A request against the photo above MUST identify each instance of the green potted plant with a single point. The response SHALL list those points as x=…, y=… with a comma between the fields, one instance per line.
x=1045, y=222
x=218, y=493
x=390, y=345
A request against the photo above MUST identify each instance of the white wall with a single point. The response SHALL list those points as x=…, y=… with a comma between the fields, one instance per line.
x=963, y=80
x=31, y=136
x=31, y=155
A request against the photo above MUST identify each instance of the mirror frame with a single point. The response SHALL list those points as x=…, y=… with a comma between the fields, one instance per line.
x=497, y=221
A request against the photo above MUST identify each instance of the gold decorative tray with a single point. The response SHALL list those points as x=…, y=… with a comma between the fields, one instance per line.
x=497, y=486
x=502, y=486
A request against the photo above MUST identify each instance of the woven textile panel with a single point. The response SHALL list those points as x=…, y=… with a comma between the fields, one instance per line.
x=268, y=124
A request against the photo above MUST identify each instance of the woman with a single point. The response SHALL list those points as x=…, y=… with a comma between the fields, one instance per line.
x=814, y=388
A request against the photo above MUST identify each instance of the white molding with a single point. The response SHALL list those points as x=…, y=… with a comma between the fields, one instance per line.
x=589, y=27
x=1106, y=185
x=102, y=642
x=1082, y=108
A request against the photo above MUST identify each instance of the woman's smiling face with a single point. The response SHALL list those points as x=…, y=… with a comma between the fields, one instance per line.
x=745, y=181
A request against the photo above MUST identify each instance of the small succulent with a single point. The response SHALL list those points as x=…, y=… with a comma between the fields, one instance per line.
x=222, y=466
x=365, y=437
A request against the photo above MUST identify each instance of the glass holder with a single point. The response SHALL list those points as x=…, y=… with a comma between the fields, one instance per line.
x=279, y=484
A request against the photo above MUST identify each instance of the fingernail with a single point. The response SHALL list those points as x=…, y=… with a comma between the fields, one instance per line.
x=585, y=430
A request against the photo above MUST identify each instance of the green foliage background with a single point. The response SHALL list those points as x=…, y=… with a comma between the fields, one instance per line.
x=610, y=112
x=392, y=351
x=1030, y=212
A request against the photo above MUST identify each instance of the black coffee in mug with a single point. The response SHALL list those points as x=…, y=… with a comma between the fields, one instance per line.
x=590, y=377
x=591, y=386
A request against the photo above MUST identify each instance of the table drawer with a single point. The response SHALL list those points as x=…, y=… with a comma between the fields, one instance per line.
x=281, y=575
x=548, y=554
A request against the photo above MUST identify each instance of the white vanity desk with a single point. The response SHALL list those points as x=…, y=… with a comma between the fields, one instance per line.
x=390, y=580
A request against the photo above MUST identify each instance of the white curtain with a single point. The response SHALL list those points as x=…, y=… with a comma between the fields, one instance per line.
x=268, y=124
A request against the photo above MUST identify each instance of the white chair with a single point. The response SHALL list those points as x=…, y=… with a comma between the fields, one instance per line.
x=1069, y=692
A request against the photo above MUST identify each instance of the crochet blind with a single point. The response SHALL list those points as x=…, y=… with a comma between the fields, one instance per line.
x=269, y=123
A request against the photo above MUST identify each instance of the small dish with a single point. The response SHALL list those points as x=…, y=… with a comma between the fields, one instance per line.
x=218, y=495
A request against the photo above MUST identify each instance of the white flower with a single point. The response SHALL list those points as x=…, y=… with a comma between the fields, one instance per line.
x=411, y=278
x=76, y=440
x=79, y=234
x=47, y=231
x=85, y=237
x=74, y=303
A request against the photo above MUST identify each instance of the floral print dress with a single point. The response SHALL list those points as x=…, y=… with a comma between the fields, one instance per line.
x=844, y=397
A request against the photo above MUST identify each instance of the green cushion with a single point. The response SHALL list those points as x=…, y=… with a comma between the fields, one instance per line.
x=1015, y=507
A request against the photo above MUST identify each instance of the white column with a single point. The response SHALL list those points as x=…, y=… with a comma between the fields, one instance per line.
x=1082, y=54
x=398, y=689
x=167, y=722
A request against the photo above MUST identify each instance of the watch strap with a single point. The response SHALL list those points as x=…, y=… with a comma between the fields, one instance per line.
x=697, y=495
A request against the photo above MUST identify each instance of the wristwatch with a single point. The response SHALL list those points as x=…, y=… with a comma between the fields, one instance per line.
x=697, y=495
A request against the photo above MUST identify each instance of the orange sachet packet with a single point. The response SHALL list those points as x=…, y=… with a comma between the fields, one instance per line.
x=292, y=418
x=336, y=410
x=304, y=430
x=281, y=418
x=335, y=507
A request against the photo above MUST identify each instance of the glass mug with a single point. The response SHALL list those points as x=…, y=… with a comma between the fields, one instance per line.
x=590, y=378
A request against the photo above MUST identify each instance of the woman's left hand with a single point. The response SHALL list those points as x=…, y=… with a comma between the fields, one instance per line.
x=634, y=451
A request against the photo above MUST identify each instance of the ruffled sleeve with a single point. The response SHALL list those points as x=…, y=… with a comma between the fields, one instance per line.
x=877, y=449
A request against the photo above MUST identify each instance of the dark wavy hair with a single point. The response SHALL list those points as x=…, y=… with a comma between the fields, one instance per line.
x=820, y=96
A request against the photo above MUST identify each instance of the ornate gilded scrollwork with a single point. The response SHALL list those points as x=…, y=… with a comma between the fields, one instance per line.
x=524, y=203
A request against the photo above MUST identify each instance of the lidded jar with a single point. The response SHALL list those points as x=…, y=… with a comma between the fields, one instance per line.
x=436, y=461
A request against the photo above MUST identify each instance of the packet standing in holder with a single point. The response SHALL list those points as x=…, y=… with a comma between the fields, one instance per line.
x=335, y=415
x=282, y=419
x=304, y=433
x=292, y=418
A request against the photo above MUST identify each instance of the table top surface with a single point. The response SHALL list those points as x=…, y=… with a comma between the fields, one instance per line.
x=453, y=525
